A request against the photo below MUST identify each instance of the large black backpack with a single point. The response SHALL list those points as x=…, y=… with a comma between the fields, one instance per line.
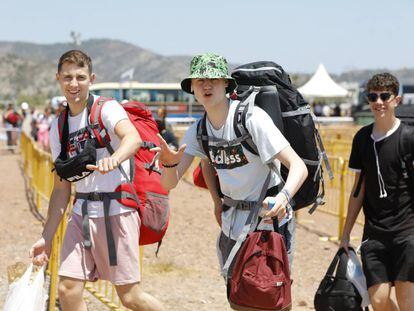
x=267, y=85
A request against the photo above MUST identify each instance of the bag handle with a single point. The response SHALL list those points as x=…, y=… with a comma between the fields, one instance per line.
x=342, y=257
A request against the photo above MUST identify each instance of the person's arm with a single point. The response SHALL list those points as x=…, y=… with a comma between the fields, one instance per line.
x=59, y=199
x=297, y=175
x=175, y=163
x=354, y=207
x=209, y=174
x=130, y=143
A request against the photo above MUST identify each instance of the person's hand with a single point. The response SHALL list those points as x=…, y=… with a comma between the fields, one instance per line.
x=168, y=155
x=276, y=207
x=345, y=243
x=218, y=209
x=40, y=252
x=104, y=165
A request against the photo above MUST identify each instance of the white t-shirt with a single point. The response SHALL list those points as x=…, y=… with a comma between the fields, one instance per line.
x=241, y=173
x=112, y=112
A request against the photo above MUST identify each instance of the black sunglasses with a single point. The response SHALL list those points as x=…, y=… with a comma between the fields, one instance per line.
x=373, y=97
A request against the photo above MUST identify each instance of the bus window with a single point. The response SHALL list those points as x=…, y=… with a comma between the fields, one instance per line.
x=140, y=95
x=111, y=93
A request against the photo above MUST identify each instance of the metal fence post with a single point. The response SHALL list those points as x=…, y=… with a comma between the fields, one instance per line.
x=342, y=198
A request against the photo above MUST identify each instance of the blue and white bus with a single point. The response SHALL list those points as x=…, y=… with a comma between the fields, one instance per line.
x=154, y=95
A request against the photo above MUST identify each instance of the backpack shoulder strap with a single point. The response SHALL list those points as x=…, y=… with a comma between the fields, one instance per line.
x=96, y=123
x=406, y=152
x=62, y=120
x=239, y=121
x=63, y=129
x=362, y=174
x=202, y=136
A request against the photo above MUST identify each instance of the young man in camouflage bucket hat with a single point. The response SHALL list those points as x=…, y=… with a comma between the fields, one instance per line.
x=241, y=173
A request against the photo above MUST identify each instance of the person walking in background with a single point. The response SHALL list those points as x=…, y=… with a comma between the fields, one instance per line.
x=383, y=187
x=86, y=248
x=166, y=132
x=11, y=122
x=241, y=174
x=44, y=122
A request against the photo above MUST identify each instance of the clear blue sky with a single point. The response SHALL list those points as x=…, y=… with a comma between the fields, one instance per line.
x=352, y=34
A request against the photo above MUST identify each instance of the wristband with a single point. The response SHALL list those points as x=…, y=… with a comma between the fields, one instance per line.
x=286, y=194
x=170, y=166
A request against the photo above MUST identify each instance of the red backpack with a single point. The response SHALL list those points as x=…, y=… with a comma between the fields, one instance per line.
x=12, y=117
x=153, y=203
x=261, y=278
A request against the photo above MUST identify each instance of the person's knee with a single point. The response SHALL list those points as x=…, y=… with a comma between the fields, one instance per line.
x=129, y=300
x=380, y=296
x=69, y=290
x=404, y=294
x=132, y=297
x=380, y=300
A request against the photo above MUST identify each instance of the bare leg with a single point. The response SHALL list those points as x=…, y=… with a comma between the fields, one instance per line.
x=405, y=295
x=71, y=294
x=379, y=295
x=135, y=299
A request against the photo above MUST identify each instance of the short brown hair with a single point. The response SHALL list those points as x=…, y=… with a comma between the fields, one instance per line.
x=383, y=81
x=76, y=57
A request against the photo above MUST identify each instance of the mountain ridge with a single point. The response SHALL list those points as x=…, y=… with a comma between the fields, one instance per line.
x=28, y=69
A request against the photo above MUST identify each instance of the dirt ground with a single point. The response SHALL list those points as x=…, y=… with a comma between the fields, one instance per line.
x=185, y=275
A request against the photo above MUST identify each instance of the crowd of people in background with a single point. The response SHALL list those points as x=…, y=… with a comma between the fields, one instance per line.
x=321, y=109
x=34, y=122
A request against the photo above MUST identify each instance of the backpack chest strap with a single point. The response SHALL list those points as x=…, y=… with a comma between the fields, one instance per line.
x=239, y=204
x=218, y=142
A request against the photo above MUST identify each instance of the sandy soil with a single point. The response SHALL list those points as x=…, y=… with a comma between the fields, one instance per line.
x=185, y=275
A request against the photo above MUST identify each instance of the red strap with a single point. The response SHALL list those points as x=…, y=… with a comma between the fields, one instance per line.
x=97, y=110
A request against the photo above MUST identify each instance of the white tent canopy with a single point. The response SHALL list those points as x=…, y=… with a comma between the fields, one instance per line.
x=321, y=85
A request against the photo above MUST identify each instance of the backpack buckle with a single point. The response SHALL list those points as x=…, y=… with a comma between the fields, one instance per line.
x=95, y=196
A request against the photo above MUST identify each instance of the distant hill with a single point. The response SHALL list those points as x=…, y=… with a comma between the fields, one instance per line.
x=28, y=69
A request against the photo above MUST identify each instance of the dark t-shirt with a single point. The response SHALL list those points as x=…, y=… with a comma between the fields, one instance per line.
x=391, y=214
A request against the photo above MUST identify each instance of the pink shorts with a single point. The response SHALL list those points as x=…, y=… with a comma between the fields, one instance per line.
x=92, y=264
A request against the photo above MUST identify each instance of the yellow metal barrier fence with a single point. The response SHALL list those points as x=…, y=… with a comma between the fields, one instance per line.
x=37, y=166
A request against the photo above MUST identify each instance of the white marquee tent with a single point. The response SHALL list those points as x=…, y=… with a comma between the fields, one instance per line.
x=321, y=85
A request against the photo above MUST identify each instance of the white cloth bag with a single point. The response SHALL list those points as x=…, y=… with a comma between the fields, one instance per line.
x=27, y=294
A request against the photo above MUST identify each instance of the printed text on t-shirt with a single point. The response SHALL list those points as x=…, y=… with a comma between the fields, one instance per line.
x=228, y=157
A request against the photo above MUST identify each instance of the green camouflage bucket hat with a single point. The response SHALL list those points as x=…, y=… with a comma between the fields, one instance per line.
x=208, y=66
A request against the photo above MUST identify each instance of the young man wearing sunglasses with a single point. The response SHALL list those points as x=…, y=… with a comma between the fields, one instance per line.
x=385, y=190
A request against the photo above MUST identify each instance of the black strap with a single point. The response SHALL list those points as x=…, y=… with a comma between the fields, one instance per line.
x=85, y=226
x=362, y=174
x=406, y=153
x=342, y=257
x=109, y=235
x=65, y=133
x=63, y=119
x=239, y=121
x=89, y=103
x=106, y=197
x=202, y=136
